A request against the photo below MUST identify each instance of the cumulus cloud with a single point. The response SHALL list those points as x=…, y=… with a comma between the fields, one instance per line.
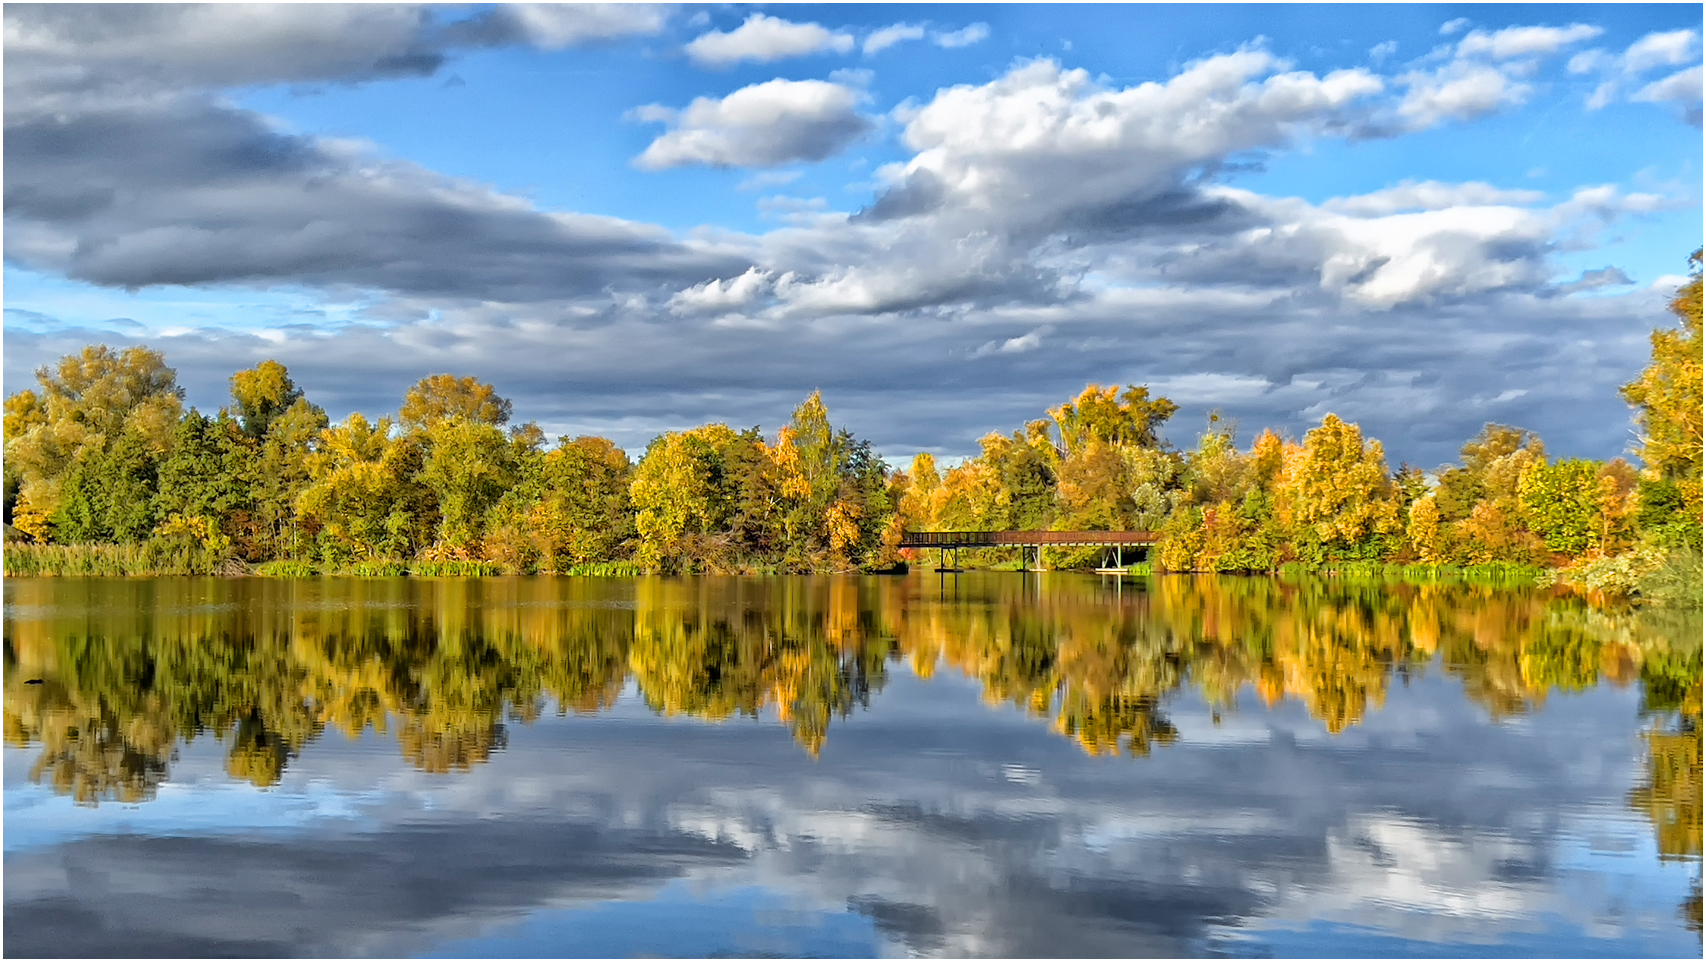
x=886, y=37
x=763, y=39
x=1462, y=91
x=1513, y=42
x=992, y=148
x=1661, y=49
x=775, y=122
x=723, y=295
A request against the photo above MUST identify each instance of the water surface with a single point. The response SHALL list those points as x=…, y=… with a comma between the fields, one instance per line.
x=971, y=765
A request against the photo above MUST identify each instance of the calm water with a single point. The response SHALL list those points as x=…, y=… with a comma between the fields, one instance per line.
x=968, y=765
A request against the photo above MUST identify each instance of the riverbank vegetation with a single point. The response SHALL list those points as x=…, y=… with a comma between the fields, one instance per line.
x=105, y=472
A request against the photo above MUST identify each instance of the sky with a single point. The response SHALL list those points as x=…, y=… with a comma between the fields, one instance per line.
x=633, y=219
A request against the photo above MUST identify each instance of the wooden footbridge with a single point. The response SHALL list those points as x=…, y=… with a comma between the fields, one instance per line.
x=1031, y=543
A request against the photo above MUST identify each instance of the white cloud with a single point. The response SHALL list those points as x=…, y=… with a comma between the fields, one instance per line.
x=557, y=25
x=1450, y=27
x=722, y=295
x=1041, y=140
x=1022, y=344
x=763, y=39
x=1653, y=51
x=1459, y=91
x=1668, y=49
x=1381, y=51
x=762, y=125
x=1513, y=42
x=964, y=37
x=1588, y=61
x=1484, y=74
x=889, y=36
x=1683, y=87
x=1428, y=195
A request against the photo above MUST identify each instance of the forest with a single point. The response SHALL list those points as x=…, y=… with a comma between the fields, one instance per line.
x=106, y=473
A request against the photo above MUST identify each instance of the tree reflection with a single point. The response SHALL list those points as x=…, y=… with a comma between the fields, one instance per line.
x=130, y=670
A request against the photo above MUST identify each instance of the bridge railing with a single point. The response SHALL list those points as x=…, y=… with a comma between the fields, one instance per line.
x=991, y=539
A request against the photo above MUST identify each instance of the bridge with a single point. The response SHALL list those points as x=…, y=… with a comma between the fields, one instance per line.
x=1114, y=541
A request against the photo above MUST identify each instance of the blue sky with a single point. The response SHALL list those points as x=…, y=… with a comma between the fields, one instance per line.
x=948, y=218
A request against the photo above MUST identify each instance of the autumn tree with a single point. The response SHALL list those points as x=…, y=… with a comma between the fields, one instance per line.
x=83, y=406
x=1334, y=497
x=363, y=499
x=443, y=396
x=1667, y=399
x=684, y=496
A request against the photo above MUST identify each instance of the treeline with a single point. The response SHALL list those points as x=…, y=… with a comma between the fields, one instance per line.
x=102, y=454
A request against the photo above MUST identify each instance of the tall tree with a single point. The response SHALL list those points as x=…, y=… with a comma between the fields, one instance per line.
x=84, y=404
x=1667, y=401
x=442, y=396
x=1334, y=496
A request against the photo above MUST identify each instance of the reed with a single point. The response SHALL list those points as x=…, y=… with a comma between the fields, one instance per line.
x=107, y=560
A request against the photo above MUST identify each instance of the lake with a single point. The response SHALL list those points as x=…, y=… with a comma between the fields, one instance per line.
x=981, y=764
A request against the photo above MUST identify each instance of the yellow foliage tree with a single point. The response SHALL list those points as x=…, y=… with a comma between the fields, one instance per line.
x=1334, y=497
x=1667, y=398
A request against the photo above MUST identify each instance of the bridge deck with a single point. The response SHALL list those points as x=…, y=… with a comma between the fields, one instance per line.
x=992, y=539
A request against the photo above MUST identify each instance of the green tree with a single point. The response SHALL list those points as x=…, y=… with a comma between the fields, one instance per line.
x=684, y=497
x=469, y=465
x=1559, y=504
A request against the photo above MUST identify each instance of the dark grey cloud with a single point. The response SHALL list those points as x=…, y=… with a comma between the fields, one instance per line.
x=190, y=192
x=122, y=173
x=58, y=52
